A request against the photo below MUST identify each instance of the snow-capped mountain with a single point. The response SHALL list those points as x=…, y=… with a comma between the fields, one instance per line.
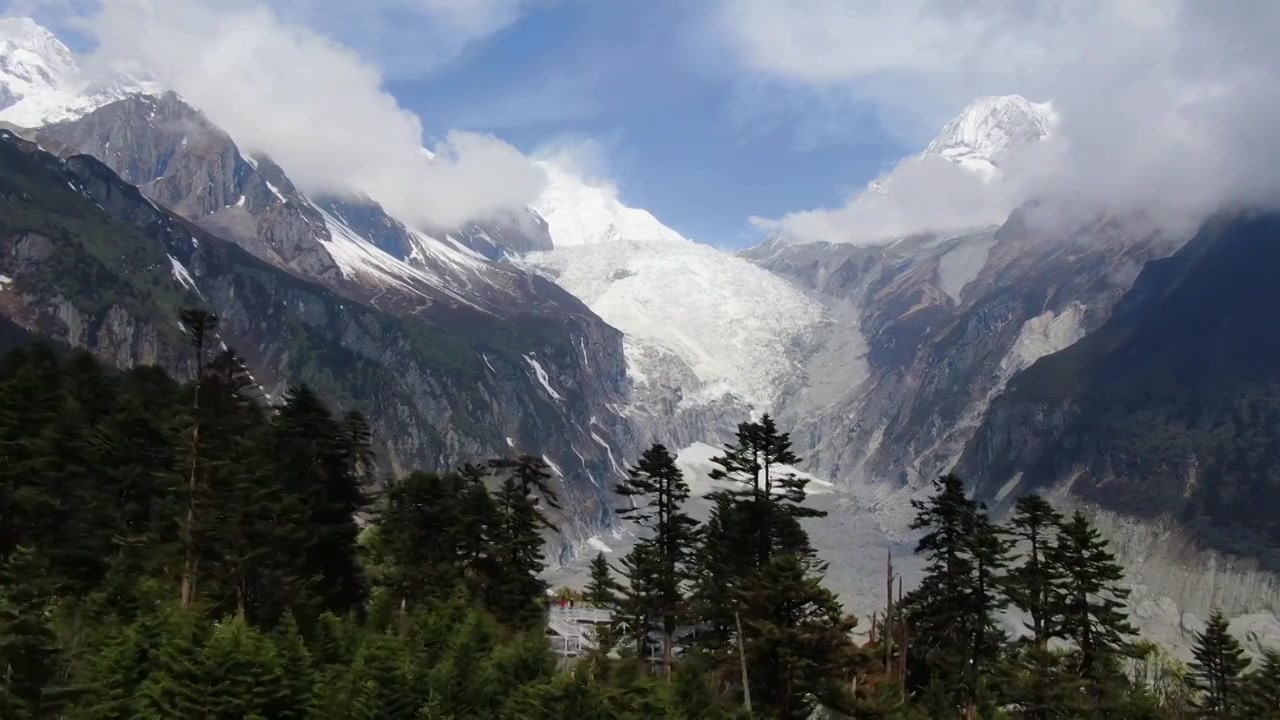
x=988, y=129
x=578, y=213
x=969, y=178
x=710, y=338
x=41, y=82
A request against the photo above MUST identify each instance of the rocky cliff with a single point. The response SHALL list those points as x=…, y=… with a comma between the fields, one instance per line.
x=1171, y=409
x=89, y=260
x=929, y=329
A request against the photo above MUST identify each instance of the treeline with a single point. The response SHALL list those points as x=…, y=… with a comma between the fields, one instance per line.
x=185, y=550
x=740, y=598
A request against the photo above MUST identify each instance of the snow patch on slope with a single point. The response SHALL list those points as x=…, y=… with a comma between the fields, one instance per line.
x=181, y=274
x=543, y=378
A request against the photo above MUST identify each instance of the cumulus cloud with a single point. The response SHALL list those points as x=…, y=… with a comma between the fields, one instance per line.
x=1167, y=106
x=315, y=106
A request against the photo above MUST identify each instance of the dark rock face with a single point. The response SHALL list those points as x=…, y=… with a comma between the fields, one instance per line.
x=930, y=328
x=1171, y=409
x=513, y=233
x=92, y=262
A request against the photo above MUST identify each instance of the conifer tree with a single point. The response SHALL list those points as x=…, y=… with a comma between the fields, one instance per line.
x=773, y=499
x=954, y=638
x=1035, y=525
x=28, y=646
x=1260, y=696
x=1089, y=603
x=414, y=536
x=796, y=640
x=656, y=492
x=1217, y=668
x=1029, y=585
x=240, y=673
x=296, y=670
x=602, y=589
x=532, y=475
x=516, y=592
x=199, y=327
x=313, y=458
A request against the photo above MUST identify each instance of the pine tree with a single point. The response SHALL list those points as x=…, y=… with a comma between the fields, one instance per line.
x=170, y=641
x=656, y=491
x=28, y=646
x=1034, y=526
x=1089, y=604
x=415, y=539
x=297, y=671
x=516, y=592
x=602, y=589
x=199, y=327
x=1217, y=668
x=1029, y=585
x=796, y=640
x=954, y=639
x=240, y=673
x=314, y=460
x=1260, y=692
x=771, y=498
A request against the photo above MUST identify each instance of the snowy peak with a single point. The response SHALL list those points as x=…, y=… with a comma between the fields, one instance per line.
x=41, y=83
x=580, y=213
x=32, y=61
x=988, y=128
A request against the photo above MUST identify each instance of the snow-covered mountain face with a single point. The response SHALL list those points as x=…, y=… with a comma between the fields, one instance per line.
x=578, y=213
x=41, y=82
x=710, y=339
x=989, y=129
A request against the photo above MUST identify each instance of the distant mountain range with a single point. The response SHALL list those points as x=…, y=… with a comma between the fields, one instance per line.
x=1111, y=364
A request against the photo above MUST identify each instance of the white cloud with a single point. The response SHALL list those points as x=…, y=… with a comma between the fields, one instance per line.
x=1167, y=106
x=316, y=107
x=928, y=193
x=408, y=37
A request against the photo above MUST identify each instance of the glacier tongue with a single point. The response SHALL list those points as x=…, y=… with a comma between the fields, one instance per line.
x=710, y=337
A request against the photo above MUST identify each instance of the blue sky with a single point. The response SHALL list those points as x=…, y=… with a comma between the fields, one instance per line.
x=672, y=121
x=680, y=140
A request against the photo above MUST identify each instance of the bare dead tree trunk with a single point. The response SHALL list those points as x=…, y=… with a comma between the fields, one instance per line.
x=742, y=657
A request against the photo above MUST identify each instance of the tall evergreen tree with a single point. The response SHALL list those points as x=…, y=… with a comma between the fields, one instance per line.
x=517, y=592
x=954, y=638
x=796, y=640
x=1218, y=666
x=1089, y=603
x=1260, y=696
x=199, y=327
x=602, y=589
x=771, y=497
x=313, y=457
x=656, y=492
x=1029, y=585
